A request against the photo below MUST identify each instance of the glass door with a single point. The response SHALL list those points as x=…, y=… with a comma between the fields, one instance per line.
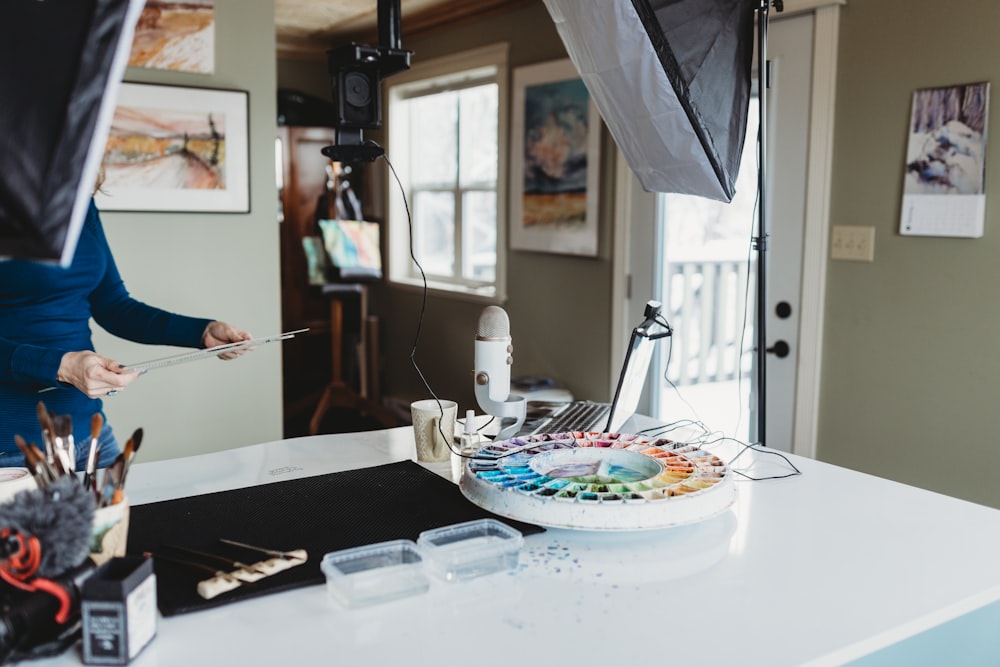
x=706, y=276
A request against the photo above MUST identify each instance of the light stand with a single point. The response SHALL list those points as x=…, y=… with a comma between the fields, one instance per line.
x=760, y=240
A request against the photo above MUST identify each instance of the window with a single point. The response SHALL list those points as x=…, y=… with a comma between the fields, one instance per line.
x=447, y=124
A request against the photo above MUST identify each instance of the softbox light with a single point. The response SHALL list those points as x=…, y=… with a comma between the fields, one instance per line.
x=61, y=62
x=672, y=81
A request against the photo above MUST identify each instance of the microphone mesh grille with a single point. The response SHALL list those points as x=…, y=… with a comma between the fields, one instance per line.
x=493, y=323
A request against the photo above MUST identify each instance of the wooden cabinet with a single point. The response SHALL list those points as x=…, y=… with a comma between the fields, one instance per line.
x=304, y=182
x=306, y=359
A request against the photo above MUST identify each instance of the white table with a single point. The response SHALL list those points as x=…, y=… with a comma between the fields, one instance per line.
x=819, y=569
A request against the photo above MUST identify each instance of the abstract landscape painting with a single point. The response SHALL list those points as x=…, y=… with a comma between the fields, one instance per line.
x=555, y=164
x=555, y=153
x=178, y=36
x=174, y=148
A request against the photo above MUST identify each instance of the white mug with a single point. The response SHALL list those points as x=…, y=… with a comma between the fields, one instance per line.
x=433, y=418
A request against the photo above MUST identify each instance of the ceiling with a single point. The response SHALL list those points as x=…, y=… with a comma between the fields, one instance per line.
x=307, y=28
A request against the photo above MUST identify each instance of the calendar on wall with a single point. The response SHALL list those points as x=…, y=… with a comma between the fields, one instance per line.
x=944, y=191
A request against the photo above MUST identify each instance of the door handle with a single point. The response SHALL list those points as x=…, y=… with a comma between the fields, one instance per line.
x=780, y=349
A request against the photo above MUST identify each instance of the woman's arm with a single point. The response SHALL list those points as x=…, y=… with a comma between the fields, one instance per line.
x=22, y=362
x=121, y=315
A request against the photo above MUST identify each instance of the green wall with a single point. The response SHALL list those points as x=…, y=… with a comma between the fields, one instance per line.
x=223, y=265
x=910, y=361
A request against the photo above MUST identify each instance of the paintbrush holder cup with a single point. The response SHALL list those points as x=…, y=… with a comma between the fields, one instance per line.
x=14, y=480
x=110, y=534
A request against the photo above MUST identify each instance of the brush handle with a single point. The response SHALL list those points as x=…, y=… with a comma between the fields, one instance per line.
x=275, y=565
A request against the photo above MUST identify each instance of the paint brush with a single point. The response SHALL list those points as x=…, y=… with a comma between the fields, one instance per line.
x=244, y=572
x=32, y=461
x=61, y=446
x=112, y=475
x=282, y=560
x=48, y=431
x=68, y=444
x=131, y=447
x=220, y=582
x=297, y=554
x=89, y=477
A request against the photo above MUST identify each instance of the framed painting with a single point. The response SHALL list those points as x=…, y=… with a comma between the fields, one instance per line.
x=555, y=160
x=176, y=36
x=174, y=148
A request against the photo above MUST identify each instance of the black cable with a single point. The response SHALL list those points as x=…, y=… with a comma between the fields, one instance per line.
x=666, y=378
x=704, y=441
x=756, y=446
x=423, y=308
x=423, y=276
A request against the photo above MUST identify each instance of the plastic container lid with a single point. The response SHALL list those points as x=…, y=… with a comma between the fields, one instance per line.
x=472, y=549
x=375, y=573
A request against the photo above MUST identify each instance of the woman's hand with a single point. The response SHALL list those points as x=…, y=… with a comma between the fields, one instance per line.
x=93, y=374
x=220, y=333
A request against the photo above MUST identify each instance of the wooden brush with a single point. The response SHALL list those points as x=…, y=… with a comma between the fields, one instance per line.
x=30, y=462
x=109, y=485
x=131, y=447
x=48, y=431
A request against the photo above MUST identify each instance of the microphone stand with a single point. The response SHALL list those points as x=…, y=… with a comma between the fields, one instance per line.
x=514, y=408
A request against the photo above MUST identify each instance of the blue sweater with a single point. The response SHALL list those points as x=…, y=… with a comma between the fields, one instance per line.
x=45, y=311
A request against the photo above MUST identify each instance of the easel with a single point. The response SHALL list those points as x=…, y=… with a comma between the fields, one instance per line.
x=338, y=394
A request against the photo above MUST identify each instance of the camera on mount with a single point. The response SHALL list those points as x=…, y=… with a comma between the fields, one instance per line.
x=356, y=74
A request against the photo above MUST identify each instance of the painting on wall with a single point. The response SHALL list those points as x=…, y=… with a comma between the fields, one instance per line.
x=944, y=184
x=177, y=36
x=174, y=148
x=554, y=162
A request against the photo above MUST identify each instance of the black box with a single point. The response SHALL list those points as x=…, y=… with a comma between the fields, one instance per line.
x=119, y=610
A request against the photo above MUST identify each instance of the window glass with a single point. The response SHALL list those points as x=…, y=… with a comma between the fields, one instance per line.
x=433, y=147
x=446, y=124
x=479, y=209
x=434, y=232
x=479, y=135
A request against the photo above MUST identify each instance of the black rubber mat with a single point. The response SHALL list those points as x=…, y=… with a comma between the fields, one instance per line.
x=320, y=514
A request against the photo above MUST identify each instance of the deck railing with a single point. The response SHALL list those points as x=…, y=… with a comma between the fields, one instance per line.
x=707, y=304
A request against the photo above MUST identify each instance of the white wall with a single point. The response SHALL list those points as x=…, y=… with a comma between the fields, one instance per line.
x=222, y=266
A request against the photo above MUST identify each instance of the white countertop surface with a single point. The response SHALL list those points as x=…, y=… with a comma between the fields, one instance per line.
x=817, y=569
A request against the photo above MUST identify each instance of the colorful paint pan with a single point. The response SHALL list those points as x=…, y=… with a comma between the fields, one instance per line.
x=625, y=482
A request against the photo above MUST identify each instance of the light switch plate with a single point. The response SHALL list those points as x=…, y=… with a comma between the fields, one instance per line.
x=853, y=243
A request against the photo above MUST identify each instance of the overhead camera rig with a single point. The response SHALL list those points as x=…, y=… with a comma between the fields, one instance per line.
x=356, y=74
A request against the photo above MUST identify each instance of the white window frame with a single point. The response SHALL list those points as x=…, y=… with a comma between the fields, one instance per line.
x=402, y=271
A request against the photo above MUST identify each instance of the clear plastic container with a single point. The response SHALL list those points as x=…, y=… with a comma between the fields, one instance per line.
x=375, y=573
x=472, y=549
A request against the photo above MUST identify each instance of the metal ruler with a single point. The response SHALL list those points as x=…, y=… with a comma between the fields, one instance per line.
x=163, y=362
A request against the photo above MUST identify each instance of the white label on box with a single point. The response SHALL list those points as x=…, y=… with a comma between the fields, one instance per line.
x=140, y=609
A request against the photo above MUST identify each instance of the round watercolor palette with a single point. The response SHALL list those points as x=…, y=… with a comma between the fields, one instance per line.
x=598, y=481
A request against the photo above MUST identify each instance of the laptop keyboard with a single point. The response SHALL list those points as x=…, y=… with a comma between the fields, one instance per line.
x=581, y=416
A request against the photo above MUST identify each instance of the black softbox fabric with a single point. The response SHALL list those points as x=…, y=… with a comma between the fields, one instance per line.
x=60, y=65
x=672, y=81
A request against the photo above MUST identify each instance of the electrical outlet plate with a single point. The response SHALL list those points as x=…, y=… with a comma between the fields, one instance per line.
x=853, y=243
